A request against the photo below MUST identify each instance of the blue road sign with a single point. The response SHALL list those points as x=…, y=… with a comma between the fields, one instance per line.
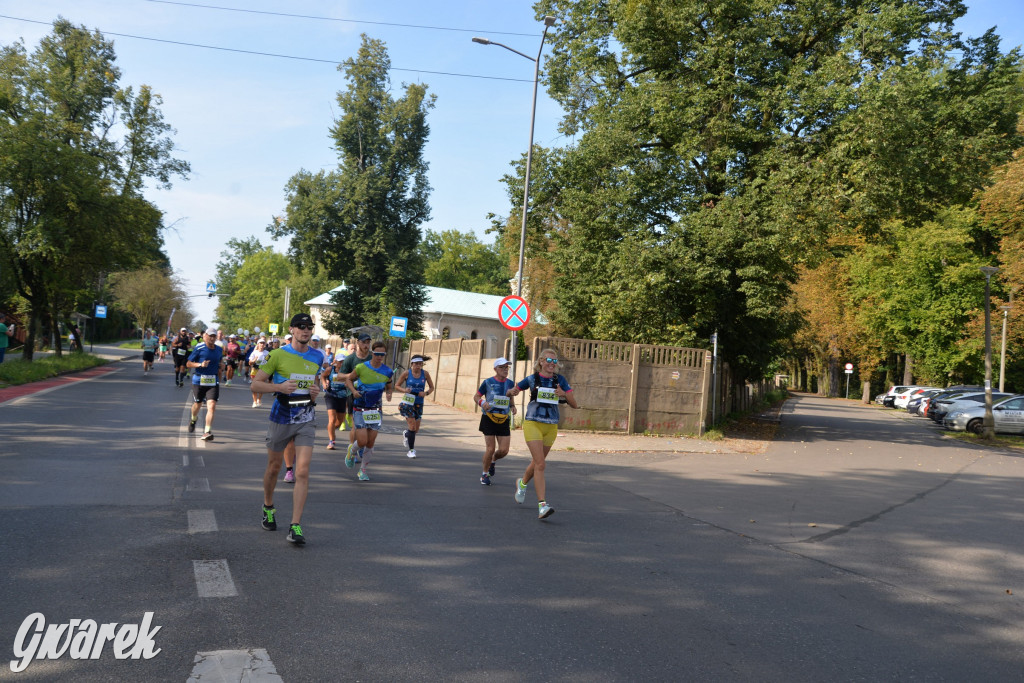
x=101, y=311
x=399, y=326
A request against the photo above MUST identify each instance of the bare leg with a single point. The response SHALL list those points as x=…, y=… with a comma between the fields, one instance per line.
x=535, y=470
x=302, y=458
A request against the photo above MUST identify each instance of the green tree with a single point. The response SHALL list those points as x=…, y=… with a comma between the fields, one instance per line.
x=232, y=258
x=721, y=146
x=362, y=219
x=458, y=260
x=258, y=296
x=75, y=154
x=149, y=295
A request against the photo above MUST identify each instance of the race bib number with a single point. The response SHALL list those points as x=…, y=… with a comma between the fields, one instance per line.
x=338, y=387
x=545, y=395
x=502, y=402
x=207, y=380
x=180, y=352
x=304, y=382
x=409, y=400
x=371, y=417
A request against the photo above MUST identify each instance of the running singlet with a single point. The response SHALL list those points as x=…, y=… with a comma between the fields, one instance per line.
x=150, y=343
x=416, y=386
x=284, y=364
x=545, y=407
x=371, y=384
x=498, y=404
x=206, y=377
x=233, y=350
x=336, y=386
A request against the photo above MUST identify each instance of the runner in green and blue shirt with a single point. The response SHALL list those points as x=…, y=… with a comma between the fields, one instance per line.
x=368, y=383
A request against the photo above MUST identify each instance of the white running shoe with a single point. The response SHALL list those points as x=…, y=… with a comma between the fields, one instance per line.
x=254, y=404
x=544, y=510
x=520, y=491
x=411, y=453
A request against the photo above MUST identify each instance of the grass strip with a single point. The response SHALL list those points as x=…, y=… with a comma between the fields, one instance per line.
x=20, y=371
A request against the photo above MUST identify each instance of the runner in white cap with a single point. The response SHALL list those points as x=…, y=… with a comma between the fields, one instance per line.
x=496, y=420
x=208, y=360
x=414, y=384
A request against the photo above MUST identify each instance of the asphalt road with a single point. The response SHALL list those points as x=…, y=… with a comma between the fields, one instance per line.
x=860, y=546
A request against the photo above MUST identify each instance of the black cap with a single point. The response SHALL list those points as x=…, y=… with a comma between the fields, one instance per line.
x=301, y=319
x=364, y=337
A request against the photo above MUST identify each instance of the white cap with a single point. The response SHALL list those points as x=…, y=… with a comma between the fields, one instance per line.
x=211, y=330
x=184, y=329
x=232, y=336
x=315, y=337
x=502, y=361
x=287, y=336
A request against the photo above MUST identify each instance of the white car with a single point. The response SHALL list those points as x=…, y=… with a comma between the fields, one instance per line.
x=903, y=398
x=1008, y=416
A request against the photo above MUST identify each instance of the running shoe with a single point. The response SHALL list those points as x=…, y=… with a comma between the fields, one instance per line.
x=350, y=456
x=411, y=453
x=207, y=436
x=485, y=480
x=544, y=510
x=289, y=477
x=228, y=383
x=295, y=535
x=330, y=445
x=490, y=470
x=254, y=404
x=269, y=523
x=405, y=439
x=191, y=426
x=363, y=476
x=520, y=491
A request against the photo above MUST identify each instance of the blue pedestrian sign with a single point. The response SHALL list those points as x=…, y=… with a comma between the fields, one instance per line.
x=399, y=326
x=101, y=311
x=211, y=286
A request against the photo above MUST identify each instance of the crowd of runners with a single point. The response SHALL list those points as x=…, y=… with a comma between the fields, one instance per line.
x=354, y=381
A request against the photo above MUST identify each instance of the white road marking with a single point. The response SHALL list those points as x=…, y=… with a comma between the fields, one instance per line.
x=250, y=666
x=198, y=461
x=201, y=521
x=213, y=579
x=198, y=484
x=184, y=461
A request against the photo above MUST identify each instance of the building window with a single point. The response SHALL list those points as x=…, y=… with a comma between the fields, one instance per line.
x=472, y=335
x=446, y=332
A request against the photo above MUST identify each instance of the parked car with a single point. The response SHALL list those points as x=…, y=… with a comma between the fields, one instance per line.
x=963, y=401
x=904, y=397
x=916, y=404
x=950, y=392
x=894, y=390
x=1008, y=416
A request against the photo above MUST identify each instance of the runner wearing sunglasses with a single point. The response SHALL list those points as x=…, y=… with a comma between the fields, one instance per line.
x=367, y=384
x=540, y=426
x=291, y=373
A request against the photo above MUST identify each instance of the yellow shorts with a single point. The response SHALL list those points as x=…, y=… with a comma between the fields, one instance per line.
x=540, y=431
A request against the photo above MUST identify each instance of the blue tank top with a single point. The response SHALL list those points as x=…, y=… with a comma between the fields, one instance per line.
x=416, y=385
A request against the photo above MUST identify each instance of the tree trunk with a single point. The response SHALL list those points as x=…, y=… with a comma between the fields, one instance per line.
x=908, y=370
x=865, y=395
x=58, y=350
x=31, y=332
x=834, y=382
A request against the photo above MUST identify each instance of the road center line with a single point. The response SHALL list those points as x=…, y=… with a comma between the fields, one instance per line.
x=213, y=579
x=201, y=521
x=234, y=665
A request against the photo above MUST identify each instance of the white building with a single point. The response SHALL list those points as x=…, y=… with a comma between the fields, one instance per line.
x=447, y=314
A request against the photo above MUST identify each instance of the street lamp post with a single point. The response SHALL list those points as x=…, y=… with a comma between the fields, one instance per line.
x=988, y=423
x=1005, y=308
x=548, y=23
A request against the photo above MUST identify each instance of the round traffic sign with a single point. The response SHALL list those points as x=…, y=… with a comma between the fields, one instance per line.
x=849, y=366
x=514, y=313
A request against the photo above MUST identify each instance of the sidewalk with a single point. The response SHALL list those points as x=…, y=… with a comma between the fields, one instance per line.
x=452, y=423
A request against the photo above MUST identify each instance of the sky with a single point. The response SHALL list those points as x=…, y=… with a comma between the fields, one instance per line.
x=247, y=122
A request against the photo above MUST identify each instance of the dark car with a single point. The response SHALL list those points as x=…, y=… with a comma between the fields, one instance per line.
x=915, y=403
x=933, y=402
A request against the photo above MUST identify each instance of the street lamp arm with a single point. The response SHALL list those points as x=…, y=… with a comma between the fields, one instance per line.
x=485, y=41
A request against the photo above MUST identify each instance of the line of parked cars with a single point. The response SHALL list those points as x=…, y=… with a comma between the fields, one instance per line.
x=959, y=408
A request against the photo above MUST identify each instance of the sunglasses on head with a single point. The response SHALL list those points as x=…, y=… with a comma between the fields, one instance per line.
x=380, y=353
x=303, y=327
x=551, y=360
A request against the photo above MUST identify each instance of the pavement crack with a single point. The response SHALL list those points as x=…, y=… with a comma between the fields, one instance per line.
x=820, y=538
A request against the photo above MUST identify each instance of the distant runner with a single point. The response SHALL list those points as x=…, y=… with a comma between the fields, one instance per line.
x=208, y=360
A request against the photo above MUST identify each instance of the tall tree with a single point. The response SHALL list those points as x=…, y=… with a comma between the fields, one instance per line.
x=458, y=260
x=232, y=258
x=362, y=219
x=75, y=154
x=149, y=295
x=721, y=145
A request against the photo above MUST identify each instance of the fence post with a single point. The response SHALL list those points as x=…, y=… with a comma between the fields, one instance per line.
x=705, y=396
x=458, y=364
x=634, y=382
x=479, y=362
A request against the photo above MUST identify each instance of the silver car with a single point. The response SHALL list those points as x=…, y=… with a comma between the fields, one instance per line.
x=1008, y=415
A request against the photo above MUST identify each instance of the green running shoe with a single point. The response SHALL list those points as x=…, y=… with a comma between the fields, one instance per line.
x=295, y=535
